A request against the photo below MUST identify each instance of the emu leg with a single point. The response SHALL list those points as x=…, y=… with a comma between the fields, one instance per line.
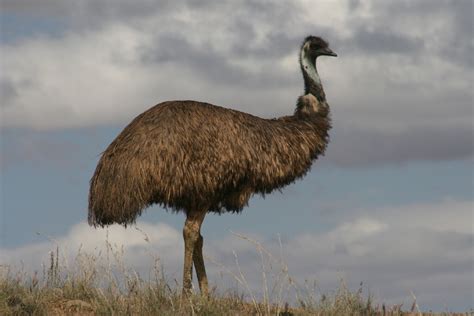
x=200, y=268
x=191, y=230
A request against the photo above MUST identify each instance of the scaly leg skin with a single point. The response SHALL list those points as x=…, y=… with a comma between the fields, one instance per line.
x=188, y=260
x=200, y=268
x=191, y=235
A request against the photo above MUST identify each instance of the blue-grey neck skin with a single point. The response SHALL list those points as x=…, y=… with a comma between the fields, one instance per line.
x=312, y=82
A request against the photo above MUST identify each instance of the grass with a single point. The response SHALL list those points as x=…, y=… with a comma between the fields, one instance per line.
x=90, y=286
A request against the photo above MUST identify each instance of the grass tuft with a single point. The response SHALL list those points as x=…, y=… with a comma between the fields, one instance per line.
x=90, y=287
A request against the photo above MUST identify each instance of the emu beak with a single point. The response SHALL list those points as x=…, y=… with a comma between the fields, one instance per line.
x=328, y=52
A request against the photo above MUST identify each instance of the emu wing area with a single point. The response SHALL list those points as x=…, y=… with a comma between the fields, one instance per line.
x=188, y=155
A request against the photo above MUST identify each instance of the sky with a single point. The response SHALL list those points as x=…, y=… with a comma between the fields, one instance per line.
x=389, y=205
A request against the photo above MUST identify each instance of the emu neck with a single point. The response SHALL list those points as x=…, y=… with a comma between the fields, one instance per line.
x=312, y=82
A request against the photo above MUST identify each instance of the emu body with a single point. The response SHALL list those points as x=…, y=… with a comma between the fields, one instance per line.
x=188, y=155
x=197, y=158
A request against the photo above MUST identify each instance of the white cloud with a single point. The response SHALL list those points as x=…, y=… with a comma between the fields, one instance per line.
x=75, y=81
x=141, y=246
x=446, y=216
x=421, y=248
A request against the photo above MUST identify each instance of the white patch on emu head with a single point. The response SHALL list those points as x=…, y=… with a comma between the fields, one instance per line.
x=309, y=65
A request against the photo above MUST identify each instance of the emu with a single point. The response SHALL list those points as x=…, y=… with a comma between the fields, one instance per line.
x=199, y=158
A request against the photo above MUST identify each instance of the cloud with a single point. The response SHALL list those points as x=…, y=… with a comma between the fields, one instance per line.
x=425, y=248
x=79, y=16
x=385, y=42
x=8, y=91
x=450, y=25
x=358, y=146
x=404, y=86
x=143, y=245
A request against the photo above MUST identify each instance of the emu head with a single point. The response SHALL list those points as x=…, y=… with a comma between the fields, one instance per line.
x=314, y=46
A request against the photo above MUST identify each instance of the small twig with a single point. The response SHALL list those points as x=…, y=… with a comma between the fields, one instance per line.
x=240, y=279
x=245, y=283
x=145, y=235
x=256, y=243
x=415, y=304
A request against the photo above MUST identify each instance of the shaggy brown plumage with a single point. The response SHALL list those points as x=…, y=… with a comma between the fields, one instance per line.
x=188, y=155
x=197, y=157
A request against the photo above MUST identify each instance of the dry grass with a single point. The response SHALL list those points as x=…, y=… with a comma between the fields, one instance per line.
x=90, y=286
